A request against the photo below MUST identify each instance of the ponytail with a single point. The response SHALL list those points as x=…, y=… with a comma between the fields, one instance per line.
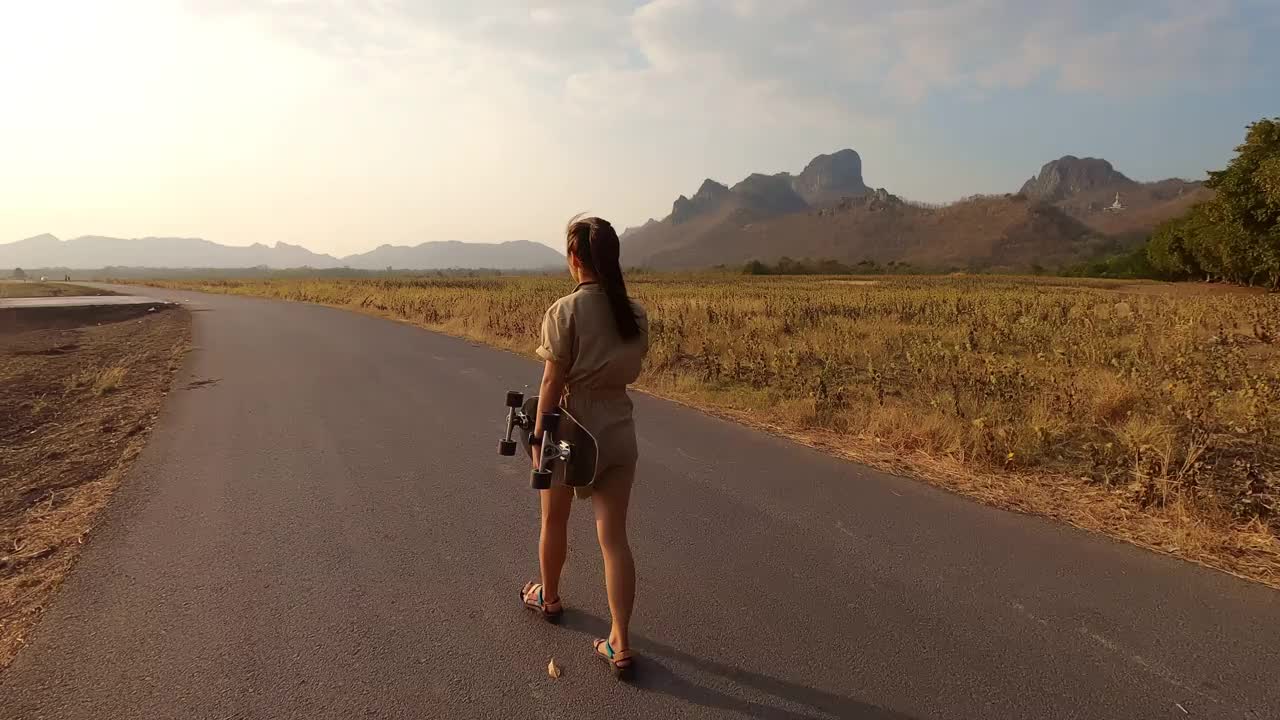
x=595, y=243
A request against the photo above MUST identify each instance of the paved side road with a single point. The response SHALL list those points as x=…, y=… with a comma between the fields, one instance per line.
x=320, y=527
x=77, y=301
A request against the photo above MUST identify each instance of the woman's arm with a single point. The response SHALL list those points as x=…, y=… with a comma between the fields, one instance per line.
x=548, y=401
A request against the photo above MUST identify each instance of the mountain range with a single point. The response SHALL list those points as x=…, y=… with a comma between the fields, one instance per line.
x=91, y=252
x=1065, y=213
x=1073, y=209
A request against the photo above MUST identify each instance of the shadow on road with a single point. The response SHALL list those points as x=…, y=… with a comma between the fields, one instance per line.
x=654, y=675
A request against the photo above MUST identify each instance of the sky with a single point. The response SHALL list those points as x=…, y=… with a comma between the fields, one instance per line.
x=345, y=124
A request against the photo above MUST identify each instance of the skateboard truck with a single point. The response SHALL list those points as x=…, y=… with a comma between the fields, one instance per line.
x=552, y=450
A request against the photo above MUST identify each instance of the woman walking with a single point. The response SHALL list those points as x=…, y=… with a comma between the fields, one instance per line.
x=593, y=342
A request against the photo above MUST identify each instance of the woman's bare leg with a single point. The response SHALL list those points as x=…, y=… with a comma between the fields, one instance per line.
x=610, y=500
x=553, y=542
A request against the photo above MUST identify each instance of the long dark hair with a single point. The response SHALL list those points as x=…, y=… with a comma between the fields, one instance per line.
x=595, y=243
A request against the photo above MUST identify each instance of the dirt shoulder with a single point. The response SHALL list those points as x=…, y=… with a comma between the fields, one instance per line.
x=78, y=405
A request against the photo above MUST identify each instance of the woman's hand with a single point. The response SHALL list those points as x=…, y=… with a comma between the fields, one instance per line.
x=549, y=394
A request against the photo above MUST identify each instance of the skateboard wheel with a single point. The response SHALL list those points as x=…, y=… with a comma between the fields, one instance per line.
x=551, y=422
x=514, y=399
x=541, y=480
x=507, y=447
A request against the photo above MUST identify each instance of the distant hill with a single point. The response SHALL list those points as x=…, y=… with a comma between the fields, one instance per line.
x=718, y=210
x=1061, y=216
x=96, y=252
x=515, y=255
x=91, y=252
x=1003, y=231
x=1087, y=188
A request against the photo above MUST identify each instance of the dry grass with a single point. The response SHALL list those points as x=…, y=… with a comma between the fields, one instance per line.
x=78, y=405
x=1148, y=414
x=109, y=379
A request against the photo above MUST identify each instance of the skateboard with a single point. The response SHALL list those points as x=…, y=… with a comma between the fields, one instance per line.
x=569, y=451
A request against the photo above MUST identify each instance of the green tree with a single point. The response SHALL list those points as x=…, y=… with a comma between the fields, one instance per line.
x=19, y=274
x=1175, y=247
x=831, y=267
x=787, y=266
x=1236, y=235
x=1246, y=210
x=1248, y=190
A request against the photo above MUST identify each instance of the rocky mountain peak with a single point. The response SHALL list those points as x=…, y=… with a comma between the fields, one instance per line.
x=770, y=194
x=708, y=196
x=1070, y=175
x=829, y=178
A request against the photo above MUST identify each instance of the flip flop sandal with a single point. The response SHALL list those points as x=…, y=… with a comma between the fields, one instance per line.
x=620, y=663
x=550, y=611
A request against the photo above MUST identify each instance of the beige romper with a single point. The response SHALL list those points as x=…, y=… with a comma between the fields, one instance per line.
x=579, y=333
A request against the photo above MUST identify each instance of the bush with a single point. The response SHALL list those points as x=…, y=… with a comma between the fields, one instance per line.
x=788, y=266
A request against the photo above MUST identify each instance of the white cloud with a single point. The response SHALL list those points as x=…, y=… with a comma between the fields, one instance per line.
x=909, y=50
x=800, y=59
x=1190, y=46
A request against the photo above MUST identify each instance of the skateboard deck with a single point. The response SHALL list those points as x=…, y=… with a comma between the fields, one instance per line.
x=580, y=470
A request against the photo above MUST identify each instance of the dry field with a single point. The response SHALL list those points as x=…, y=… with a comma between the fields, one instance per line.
x=76, y=406
x=1145, y=411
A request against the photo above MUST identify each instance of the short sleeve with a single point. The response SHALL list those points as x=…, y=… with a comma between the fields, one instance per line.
x=557, y=336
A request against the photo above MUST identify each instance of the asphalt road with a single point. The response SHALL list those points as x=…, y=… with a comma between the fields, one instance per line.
x=320, y=527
